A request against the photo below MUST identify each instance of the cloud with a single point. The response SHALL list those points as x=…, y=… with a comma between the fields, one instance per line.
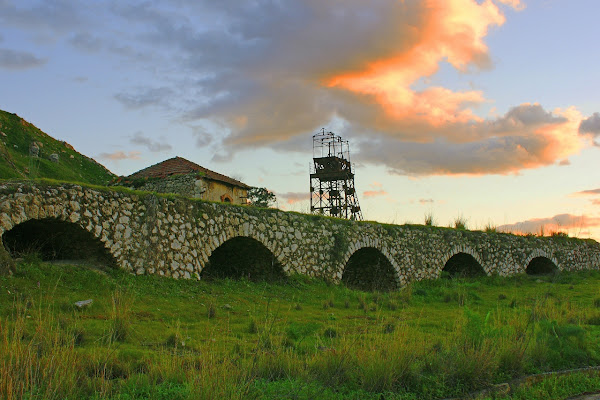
x=375, y=193
x=86, y=42
x=516, y=4
x=294, y=197
x=253, y=70
x=590, y=126
x=526, y=137
x=588, y=192
x=140, y=139
x=119, y=155
x=145, y=97
x=19, y=60
x=558, y=222
x=426, y=201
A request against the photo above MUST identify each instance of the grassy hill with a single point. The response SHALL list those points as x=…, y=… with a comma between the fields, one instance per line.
x=17, y=135
x=148, y=337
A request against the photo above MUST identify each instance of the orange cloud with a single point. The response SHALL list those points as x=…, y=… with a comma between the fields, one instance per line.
x=452, y=30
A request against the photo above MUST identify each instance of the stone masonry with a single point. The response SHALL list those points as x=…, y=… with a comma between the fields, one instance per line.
x=175, y=236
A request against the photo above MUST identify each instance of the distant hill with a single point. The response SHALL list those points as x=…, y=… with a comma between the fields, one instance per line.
x=17, y=137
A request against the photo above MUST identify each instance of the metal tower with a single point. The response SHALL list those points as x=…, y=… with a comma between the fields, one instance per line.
x=331, y=178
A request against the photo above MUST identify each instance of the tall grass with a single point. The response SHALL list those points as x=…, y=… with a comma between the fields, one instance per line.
x=447, y=349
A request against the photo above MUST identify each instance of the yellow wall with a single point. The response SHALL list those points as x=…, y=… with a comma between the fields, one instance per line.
x=216, y=191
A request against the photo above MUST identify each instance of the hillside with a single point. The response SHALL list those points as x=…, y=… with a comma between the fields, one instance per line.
x=16, y=137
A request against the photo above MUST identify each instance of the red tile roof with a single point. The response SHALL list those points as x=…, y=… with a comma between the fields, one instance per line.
x=181, y=166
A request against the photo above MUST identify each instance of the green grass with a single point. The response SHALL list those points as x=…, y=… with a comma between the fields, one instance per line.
x=15, y=163
x=151, y=337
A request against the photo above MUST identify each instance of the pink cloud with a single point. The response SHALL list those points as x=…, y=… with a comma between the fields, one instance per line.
x=119, y=155
x=375, y=193
x=294, y=197
x=555, y=223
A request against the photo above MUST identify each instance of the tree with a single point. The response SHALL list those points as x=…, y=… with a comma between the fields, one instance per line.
x=261, y=197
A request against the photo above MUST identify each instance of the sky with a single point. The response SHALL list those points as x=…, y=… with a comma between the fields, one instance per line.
x=483, y=110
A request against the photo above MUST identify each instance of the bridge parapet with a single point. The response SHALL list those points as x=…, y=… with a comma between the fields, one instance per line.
x=173, y=236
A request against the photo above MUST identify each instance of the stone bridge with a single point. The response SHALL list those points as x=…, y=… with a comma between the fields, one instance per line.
x=146, y=233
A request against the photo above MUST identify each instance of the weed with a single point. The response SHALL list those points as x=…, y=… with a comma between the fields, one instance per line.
x=252, y=326
x=120, y=326
x=392, y=305
x=429, y=220
x=460, y=223
x=330, y=333
x=490, y=228
x=389, y=327
x=211, y=309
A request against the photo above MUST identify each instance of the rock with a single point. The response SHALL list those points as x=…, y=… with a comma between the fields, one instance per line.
x=34, y=150
x=227, y=306
x=54, y=158
x=83, y=303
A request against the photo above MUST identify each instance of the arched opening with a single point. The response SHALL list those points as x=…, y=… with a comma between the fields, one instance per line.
x=368, y=269
x=243, y=257
x=463, y=265
x=52, y=239
x=541, y=266
x=226, y=198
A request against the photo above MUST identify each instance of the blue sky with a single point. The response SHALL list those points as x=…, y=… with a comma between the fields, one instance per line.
x=480, y=109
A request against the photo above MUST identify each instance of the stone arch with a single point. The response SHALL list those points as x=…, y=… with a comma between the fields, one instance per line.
x=463, y=260
x=540, y=262
x=56, y=238
x=540, y=253
x=243, y=255
x=385, y=267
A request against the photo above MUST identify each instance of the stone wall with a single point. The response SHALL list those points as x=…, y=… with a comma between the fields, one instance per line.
x=194, y=186
x=172, y=236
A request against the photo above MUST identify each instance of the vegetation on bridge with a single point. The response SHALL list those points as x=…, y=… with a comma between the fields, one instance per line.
x=152, y=337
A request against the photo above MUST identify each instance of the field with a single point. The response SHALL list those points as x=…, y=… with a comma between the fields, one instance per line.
x=158, y=338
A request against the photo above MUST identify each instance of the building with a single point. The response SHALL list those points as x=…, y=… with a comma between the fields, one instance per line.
x=181, y=176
